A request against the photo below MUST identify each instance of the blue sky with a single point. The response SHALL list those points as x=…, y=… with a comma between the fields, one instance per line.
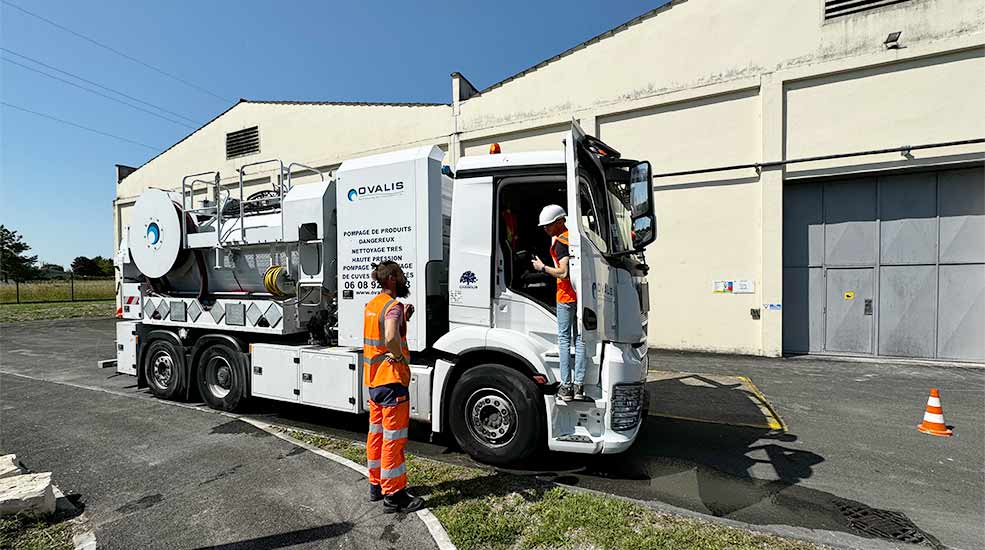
x=57, y=181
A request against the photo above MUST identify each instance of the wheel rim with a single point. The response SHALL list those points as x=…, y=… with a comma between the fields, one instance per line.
x=162, y=368
x=491, y=417
x=219, y=376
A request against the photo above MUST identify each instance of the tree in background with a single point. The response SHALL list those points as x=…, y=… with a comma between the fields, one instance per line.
x=105, y=266
x=92, y=267
x=84, y=267
x=15, y=265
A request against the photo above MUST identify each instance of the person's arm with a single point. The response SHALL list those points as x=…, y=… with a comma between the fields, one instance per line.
x=391, y=336
x=559, y=272
x=391, y=331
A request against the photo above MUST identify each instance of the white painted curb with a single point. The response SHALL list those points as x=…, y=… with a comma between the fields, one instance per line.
x=437, y=531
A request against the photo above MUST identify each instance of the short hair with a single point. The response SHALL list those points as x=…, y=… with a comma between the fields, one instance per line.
x=385, y=270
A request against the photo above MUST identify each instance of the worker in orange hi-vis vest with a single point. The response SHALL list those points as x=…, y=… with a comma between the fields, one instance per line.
x=552, y=219
x=387, y=374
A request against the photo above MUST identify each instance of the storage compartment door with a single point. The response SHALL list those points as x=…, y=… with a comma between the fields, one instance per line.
x=126, y=347
x=274, y=372
x=330, y=380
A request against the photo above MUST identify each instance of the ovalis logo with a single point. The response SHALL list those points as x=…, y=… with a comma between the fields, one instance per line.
x=374, y=191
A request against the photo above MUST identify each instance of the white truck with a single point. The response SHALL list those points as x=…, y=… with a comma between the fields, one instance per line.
x=232, y=297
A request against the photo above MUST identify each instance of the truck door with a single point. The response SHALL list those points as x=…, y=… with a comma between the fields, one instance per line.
x=593, y=278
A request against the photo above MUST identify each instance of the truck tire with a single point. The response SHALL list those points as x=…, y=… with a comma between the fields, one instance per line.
x=164, y=369
x=221, y=377
x=497, y=414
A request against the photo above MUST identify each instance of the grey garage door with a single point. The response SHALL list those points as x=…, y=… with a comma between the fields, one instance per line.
x=890, y=265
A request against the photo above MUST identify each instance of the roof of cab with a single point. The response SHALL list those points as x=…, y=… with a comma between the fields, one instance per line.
x=482, y=162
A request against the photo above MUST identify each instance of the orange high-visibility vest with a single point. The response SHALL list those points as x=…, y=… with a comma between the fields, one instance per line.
x=377, y=369
x=565, y=292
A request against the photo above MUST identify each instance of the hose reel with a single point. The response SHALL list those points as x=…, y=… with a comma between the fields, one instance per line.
x=276, y=281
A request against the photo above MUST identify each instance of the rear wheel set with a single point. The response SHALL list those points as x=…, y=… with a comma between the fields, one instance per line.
x=220, y=373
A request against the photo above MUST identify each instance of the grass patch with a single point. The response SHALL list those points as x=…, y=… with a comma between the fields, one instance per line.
x=493, y=510
x=12, y=313
x=58, y=290
x=30, y=533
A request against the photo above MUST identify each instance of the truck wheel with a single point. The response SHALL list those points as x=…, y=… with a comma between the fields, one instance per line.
x=497, y=414
x=164, y=369
x=221, y=374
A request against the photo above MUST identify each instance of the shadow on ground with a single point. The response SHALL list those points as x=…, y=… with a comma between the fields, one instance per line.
x=693, y=458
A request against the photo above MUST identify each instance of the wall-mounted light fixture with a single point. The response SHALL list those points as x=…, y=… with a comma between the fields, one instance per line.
x=892, y=41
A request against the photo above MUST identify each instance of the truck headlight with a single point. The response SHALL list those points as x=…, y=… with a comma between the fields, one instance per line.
x=627, y=406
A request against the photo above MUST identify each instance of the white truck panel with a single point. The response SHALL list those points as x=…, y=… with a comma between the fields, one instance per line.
x=126, y=347
x=330, y=378
x=274, y=372
x=469, y=272
x=389, y=208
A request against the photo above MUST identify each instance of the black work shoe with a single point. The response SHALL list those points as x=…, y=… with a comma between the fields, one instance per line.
x=580, y=393
x=565, y=392
x=375, y=493
x=402, y=501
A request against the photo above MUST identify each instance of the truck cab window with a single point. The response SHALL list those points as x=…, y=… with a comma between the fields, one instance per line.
x=591, y=223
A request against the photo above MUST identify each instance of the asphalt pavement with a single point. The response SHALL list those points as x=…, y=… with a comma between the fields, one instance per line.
x=152, y=475
x=850, y=464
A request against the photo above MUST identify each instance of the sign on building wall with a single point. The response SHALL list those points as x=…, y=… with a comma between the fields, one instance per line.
x=734, y=286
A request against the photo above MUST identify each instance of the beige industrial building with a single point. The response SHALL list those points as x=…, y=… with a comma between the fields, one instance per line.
x=867, y=253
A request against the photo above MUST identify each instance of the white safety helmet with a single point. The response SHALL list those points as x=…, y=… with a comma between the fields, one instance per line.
x=550, y=214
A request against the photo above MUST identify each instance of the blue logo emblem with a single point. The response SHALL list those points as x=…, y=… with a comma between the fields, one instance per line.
x=468, y=280
x=352, y=194
x=153, y=233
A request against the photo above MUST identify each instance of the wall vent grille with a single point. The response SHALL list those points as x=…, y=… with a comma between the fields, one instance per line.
x=242, y=143
x=838, y=8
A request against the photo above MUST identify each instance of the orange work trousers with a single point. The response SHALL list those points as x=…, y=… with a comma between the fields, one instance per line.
x=385, y=445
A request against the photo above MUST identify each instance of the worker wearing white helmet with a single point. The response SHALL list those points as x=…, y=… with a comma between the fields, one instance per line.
x=552, y=219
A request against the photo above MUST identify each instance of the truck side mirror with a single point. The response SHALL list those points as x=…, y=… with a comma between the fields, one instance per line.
x=641, y=205
x=640, y=190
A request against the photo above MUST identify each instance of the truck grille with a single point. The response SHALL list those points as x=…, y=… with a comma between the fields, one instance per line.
x=627, y=406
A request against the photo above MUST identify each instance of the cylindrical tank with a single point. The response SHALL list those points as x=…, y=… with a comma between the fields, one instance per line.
x=155, y=238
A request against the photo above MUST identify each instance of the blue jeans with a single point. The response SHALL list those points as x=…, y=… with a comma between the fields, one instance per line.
x=567, y=325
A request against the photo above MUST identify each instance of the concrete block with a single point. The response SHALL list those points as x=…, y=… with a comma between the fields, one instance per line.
x=27, y=493
x=9, y=466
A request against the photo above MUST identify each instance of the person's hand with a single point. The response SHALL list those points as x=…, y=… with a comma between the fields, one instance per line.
x=538, y=265
x=408, y=311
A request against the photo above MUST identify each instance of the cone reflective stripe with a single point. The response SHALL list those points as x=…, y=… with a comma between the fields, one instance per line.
x=933, y=417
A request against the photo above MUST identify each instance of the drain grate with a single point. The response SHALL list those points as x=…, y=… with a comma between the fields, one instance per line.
x=884, y=524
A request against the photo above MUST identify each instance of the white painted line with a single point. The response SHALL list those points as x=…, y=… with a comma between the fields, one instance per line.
x=270, y=429
x=85, y=541
x=437, y=531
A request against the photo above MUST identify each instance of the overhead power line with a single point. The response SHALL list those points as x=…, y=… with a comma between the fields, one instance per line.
x=118, y=52
x=98, y=85
x=86, y=128
x=107, y=96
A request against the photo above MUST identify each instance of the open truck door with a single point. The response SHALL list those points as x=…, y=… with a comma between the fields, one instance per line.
x=592, y=277
x=609, y=225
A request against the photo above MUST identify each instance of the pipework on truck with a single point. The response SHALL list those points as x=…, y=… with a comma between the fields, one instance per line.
x=234, y=297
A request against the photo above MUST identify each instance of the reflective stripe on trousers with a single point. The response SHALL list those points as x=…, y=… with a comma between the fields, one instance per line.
x=385, y=445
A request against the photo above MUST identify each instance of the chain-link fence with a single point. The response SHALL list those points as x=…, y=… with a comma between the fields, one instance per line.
x=71, y=289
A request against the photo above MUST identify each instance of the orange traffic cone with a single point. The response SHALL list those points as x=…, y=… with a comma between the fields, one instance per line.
x=933, y=418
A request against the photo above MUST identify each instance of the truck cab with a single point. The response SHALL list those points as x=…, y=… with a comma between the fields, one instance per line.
x=502, y=314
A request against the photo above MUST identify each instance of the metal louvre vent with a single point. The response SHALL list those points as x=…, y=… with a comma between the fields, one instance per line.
x=838, y=8
x=243, y=142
